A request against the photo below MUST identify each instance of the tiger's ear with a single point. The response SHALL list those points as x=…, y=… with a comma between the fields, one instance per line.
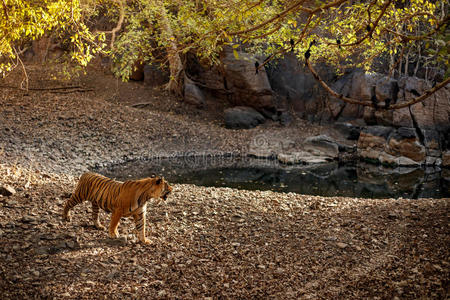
x=158, y=181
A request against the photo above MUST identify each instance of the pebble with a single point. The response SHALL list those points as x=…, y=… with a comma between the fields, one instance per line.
x=341, y=245
x=7, y=190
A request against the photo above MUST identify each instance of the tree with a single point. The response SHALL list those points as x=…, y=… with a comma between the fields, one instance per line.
x=25, y=20
x=345, y=33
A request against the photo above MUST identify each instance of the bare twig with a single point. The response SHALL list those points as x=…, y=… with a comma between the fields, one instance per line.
x=24, y=71
x=118, y=26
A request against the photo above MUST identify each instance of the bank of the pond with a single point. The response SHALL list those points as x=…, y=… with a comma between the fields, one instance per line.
x=222, y=242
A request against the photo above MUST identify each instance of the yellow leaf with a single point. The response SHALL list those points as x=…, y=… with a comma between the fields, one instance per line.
x=235, y=53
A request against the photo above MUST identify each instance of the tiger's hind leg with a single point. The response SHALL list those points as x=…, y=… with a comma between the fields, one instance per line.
x=95, y=211
x=73, y=200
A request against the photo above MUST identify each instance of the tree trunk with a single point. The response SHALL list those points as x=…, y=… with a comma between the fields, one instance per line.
x=175, y=84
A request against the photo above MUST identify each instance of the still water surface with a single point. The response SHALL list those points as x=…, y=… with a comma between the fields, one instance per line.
x=350, y=180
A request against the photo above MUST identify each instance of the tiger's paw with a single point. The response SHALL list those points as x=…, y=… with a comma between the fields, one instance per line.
x=114, y=235
x=66, y=218
x=146, y=241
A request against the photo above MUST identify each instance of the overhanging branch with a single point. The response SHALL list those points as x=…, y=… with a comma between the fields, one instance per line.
x=413, y=101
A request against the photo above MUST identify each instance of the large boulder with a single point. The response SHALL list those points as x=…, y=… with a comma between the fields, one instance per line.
x=357, y=85
x=193, y=94
x=247, y=87
x=404, y=142
x=242, y=117
x=155, y=75
x=392, y=146
x=297, y=88
x=432, y=113
x=234, y=80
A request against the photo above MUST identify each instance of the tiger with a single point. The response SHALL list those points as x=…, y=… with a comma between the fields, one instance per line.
x=122, y=199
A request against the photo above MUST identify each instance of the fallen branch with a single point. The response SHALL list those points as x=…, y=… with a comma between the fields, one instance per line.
x=140, y=105
x=74, y=91
x=45, y=89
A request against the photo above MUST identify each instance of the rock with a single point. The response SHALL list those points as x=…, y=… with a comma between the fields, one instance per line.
x=7, y=190
x=318, y=160
x=446, y=159
x=322, y=143
x=433, y=112
x=261, y=153
x=285, y=118
x=301, y=157
x=431, y=140
x=290, y=159
x=348, y=130
x=242, y=117
x=386, y=88
x=192, y=93
x=246, y=87
x=341, y=245
x=394, y=147
x=155, y=75
x=294, y=84
x=403, y=142
x=380, y=131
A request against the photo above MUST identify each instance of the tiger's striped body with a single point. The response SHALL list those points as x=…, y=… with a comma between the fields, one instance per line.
x=122, y=199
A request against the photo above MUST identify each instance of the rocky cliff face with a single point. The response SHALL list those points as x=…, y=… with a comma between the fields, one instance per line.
x=417, y=135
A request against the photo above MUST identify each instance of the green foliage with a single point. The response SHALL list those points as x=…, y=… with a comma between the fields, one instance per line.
x=23, y=21
x=365, y=29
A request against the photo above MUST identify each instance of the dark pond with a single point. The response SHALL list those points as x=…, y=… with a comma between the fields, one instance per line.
x=351, y=180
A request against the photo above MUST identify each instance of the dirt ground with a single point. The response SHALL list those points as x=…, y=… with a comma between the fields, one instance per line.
x=210, y=243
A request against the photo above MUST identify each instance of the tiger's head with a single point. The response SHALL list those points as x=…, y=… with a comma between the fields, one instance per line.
x=157, y=187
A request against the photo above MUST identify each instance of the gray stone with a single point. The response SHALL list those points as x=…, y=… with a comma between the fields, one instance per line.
x=247, y=87
x=348, y=130
x=241, y=117
x=323, y=144
x=381, y=131
x=193, y=94
x=386, y=88
x=431, y=140
x=155, y=75
x=433, y=112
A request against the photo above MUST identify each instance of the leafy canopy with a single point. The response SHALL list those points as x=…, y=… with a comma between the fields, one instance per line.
x=346, y=33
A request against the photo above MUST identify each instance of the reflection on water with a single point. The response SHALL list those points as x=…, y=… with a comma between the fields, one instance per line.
x=354, y=180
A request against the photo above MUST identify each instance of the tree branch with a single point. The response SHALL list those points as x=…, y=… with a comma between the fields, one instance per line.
x=118, y=26
x=425, y=95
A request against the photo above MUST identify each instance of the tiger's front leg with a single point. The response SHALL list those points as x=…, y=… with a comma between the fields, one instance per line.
x=139, y=220
x=115, y=219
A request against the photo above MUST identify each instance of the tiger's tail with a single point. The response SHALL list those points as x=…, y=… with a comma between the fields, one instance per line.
x=74, y=200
